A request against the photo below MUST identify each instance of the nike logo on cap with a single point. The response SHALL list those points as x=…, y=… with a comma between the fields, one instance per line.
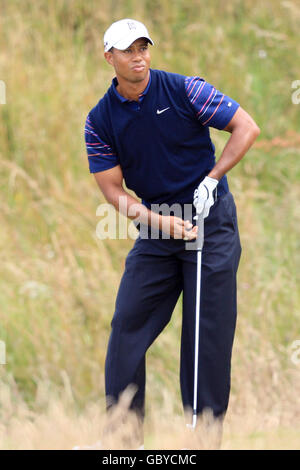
x=162, y=110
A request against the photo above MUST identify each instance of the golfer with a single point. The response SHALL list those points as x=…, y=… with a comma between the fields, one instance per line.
x=151, y=130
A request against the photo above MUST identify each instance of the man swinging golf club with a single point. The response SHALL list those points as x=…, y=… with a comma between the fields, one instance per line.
x=151, y=129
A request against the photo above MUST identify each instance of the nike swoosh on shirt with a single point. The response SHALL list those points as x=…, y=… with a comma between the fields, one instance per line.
x=162, y=110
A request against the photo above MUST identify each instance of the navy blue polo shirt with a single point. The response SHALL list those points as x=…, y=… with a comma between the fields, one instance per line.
x=161, y=141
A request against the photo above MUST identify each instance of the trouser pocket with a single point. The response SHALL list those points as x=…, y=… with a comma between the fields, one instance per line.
x=229, y=208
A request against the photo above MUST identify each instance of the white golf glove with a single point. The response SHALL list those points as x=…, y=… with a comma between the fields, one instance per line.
x=203, y=195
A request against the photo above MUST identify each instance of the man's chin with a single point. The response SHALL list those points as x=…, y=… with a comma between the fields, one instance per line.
x=139, y=76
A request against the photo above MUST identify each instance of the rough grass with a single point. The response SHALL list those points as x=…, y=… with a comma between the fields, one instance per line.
x=56, y=423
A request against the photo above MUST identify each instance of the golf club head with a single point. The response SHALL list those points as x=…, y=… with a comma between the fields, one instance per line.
x=194, y=422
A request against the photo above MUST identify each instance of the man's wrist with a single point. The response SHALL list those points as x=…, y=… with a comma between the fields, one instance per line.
x=160, y=221
x=154, y=219
x=214, y=174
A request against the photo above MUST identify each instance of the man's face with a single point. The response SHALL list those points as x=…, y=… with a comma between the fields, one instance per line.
x=133, y=63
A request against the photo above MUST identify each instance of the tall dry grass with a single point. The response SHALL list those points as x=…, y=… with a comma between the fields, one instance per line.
x=59, y=282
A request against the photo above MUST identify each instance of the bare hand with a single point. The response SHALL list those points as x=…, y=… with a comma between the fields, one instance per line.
x=178, y=228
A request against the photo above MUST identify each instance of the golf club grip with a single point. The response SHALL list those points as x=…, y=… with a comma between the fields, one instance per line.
x=200, y=235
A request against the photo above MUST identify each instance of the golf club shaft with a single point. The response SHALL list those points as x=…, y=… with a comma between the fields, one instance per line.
x=197, y=331
x=200, y=242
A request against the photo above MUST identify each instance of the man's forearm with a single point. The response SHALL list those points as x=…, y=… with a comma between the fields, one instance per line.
x=238, y=144
x=127, y=205
x=132, y=208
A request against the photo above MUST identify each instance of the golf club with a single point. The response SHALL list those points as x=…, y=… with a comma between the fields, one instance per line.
x=199, y=246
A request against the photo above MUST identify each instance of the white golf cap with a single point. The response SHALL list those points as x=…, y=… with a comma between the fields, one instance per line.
x=122, y=33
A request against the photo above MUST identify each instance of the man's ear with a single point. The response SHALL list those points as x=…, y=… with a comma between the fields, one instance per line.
x=108, y=57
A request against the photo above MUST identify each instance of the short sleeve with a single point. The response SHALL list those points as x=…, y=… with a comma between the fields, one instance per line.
x=212, y=108
x=100, y=155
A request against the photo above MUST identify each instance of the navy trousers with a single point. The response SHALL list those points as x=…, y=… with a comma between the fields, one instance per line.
x=156, y=272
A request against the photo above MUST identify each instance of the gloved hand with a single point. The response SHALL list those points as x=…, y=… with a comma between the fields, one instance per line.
x=203, y=195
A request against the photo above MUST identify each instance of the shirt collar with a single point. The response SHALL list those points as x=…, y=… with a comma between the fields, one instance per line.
x=120, y=97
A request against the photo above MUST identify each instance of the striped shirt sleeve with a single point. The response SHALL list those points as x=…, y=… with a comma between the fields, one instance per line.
x=211, y=106
x=100, y=155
